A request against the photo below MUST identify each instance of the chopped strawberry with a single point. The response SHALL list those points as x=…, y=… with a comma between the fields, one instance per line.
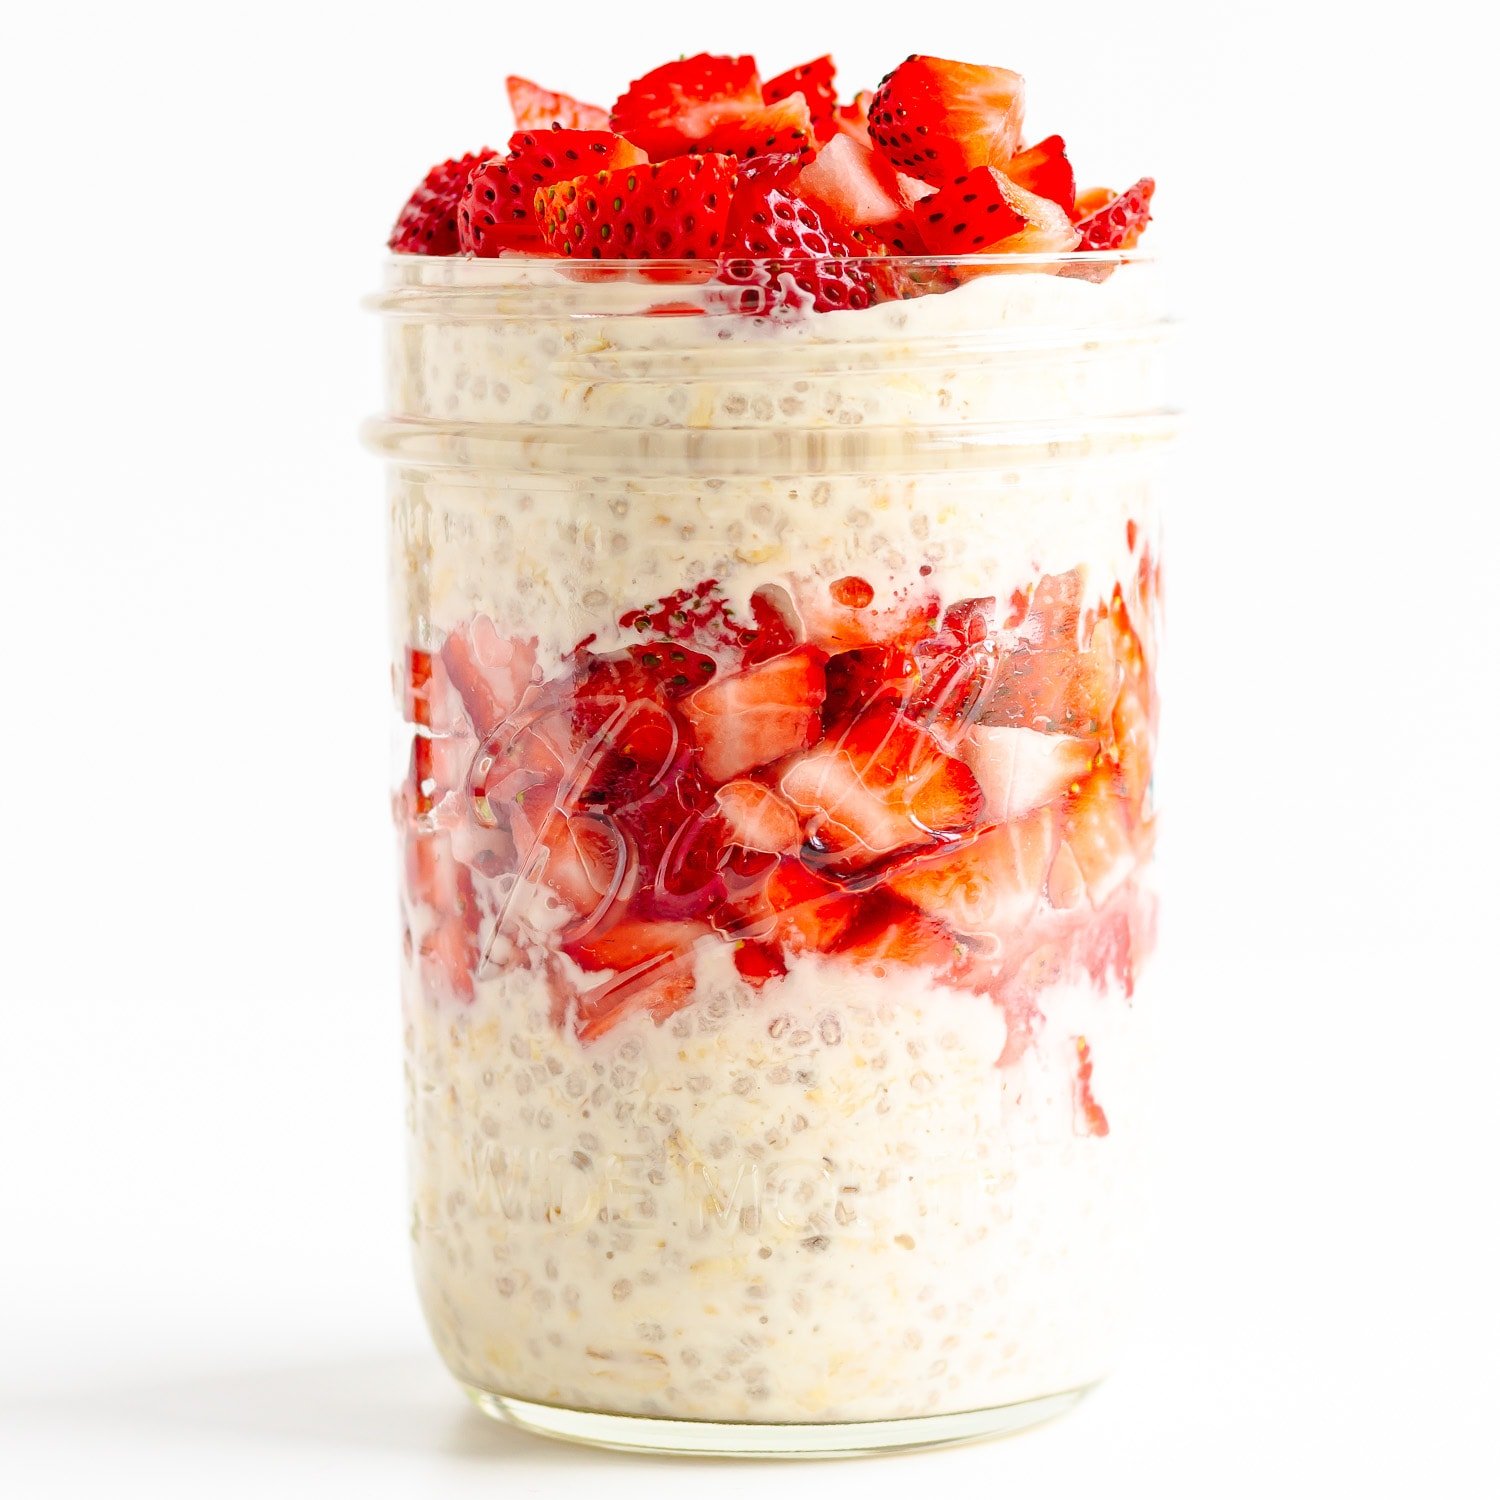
x=939, y=120
x=885, y=930
x=839, y=619
x=536, y=108
x=1066, y=890
x=759, y=715
x=1044, y=169
x=1049, y=680
x=416, y=687
x=983, y=211
x=659, y=670
x=1020, y=770
x=853, y=188
x=675, y=107
x=450, y=955
x=1097, y=833
x=756, y=818
x=958, y=666
x=675, y=210
x=1088, y=1117
x=439, y=884
x=807, y=912
x=781, y=255
x=1119, y=223
x=1091, y=200
x=435, y=880
x=883, y=785
x=853, y=119
x=814, y=81
x=758, y=962
x=652, y=963
x=1131, y=738
x=491, y=672
x=700, y=617
x=773, y=130
x=856, y=679
x=498, y=208
x=581, y=857
x=989, y=886
x=428, y=224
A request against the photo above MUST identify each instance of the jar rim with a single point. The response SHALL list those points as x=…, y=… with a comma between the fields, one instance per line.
x=1020, y=260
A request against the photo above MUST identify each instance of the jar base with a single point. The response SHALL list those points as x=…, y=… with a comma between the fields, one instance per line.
x=771, y=1439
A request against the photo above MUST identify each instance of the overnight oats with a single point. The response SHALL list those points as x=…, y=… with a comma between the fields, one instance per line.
x=775, y=547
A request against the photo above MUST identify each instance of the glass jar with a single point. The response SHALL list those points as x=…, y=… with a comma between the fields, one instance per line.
x=775, y=802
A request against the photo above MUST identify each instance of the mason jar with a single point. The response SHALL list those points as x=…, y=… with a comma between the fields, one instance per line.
x=776, y=817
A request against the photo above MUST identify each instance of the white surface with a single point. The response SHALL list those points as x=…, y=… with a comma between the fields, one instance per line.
x=202, y=1267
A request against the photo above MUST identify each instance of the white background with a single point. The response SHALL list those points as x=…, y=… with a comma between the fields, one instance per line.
x=203, y=1284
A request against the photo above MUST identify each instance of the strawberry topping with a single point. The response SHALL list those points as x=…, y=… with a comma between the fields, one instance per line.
x=498, y=208
x=814, y=81
x=939, y=120
x=1118, y=224
x=782, y=255
x=673, y=210
x=679, y=105
x=428, y=224
x=1044, y=169
x=536, y=108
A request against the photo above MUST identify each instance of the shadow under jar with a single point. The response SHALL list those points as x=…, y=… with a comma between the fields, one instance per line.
x=778, y=716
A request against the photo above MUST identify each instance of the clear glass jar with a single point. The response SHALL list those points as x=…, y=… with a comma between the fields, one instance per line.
x=778, y=713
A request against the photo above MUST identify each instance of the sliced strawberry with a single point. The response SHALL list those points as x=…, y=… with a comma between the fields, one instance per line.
x=883, y=785
x=676, y=106
x=1088, y=1117
x=498, y=208
x=814, y=81
x=781, y=129
x=938, y=119
x=674, y=210
x=536, y=108
x=491, y=672
x=853, y=119
x=1118, y=224
x=1044, y=169
x=852, y=188
x=760, y=715
x=984, y=212
x=781, y=255
x=652, y=963
x=990, y=886
x=1020, y=770
x=756, y=818
x=887, y=930
x=428, y=225
x=856, y=679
